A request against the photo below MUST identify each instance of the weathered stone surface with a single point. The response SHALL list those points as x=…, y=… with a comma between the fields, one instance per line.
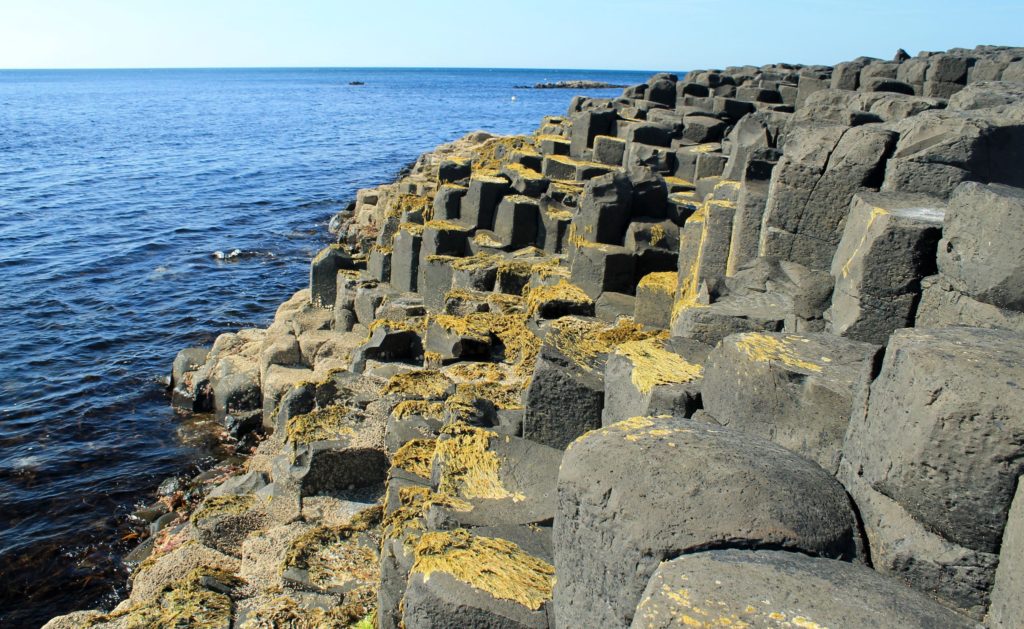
x=846, y=75
x=1007, y=605
x=223, y=522
x=277, y=382
x=888, y=245
x=459, y=579
x=378, y=265
x=617, y=521
x=987, y=94
x=395, y=562
x=588, y=125
x=686, y=159
x=476, y=210
x=237, y=393
x=526, y=180
x=401, y=429
x=766, y=588
x=559, y=300
x=186, y=392
x=704, y=243
x=701, y=129
x=609, y=150
x=555, y=223
x=447, y=202
x=656, y=245
x=443, y=238
x=655, y=296
x=794, y=390
x=942, y=304
x=649, y=133
x=750, y=207
x=329, y=467
x=941, y=436
x=680, y=206
x=710, y=323
x=903, y=548
x=572, y=170
x=563, y=401
x=494, y=479
x=401, y=307
x=650, y=193
x=517, y=221
x=368, y=298
x=940, y=89
x=554, y=145
x=662, y=89
x=451, y=170
x=405, y=258
x=598, y=268
x=475, y=272
x=322, y=274
x=451, y=339
x=604, y=210
x=812, y=186
x=940, y=149
x=388, y=341
x=805, y=293
x=435, y=279
x=611, y=306
x=653, y=377
x=975, y=252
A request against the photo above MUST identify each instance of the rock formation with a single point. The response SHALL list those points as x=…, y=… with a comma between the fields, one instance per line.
x=741, y=348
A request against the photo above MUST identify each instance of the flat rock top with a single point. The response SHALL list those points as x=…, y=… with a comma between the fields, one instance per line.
x=781, y=589
x=967, y=347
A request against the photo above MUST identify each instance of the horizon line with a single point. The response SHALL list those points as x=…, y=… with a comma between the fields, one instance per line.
x=285, y=67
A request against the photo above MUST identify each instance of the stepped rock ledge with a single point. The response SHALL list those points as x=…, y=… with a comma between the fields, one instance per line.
x=739, y=348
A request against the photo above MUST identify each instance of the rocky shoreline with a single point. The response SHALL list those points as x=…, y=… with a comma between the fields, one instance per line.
x=742, y=348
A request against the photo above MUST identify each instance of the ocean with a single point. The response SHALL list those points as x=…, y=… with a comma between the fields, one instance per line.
x=117, y=187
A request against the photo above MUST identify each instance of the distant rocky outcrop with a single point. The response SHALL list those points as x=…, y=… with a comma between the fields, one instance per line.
x=570, y=85
x=741, y=348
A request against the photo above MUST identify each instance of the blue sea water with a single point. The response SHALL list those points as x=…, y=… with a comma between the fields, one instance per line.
x=115, y=189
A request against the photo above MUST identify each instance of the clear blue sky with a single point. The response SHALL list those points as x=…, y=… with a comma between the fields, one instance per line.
x=636, y=34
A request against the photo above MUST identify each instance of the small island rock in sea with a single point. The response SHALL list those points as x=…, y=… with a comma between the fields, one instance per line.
x=569, y=85
x=740, y=348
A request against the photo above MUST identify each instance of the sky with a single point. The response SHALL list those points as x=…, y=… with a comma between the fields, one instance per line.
x=585, y=34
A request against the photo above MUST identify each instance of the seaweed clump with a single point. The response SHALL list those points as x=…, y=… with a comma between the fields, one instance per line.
x=283, y=612
x=563, y=292
x=342, y=557
x=323, y=424
x=489, y=156
x=425, y=384
x=469, y=468
x=653, y=365
x=190, y=602
x=406, y=518
x=423, y=408
x=662, y=282
x=584, y=342
x=496, y=566
x=415, y=456
x=216, y=506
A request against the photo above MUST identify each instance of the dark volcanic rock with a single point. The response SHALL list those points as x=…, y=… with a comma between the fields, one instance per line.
x=943, y=437
x=699, y=487
x=768, y=588
x=795, y=390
